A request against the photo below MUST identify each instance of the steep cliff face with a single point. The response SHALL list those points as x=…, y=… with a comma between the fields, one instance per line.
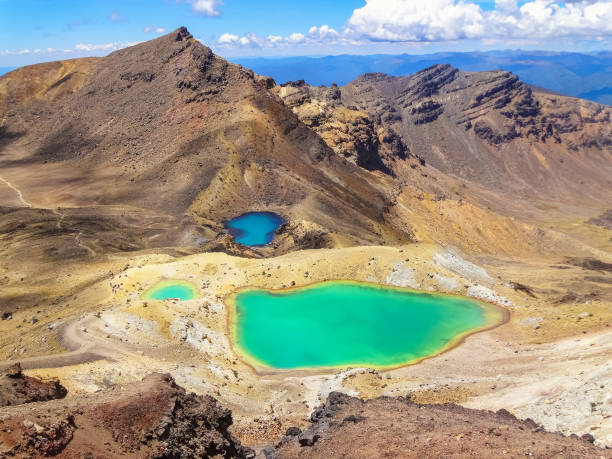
x=487, y=127
x=352, y=134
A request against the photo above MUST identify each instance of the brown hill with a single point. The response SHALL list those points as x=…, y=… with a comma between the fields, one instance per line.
x=154, y=146
x=169, y=127
x=17, y=388
x=157, y=144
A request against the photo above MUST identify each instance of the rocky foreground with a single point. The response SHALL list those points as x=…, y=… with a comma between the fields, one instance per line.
x=157, y=418
x=150, y=418
x=397, y=427
x=17, y=388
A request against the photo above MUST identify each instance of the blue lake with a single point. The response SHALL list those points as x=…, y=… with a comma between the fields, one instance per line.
x=254, y=228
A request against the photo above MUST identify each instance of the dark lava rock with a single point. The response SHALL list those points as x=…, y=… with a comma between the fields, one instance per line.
x=269, y=452
x=17, y=389
x=293, y=431
x=604, y=220
x=308, y=438
x=523, y=288
x=592, y=264
x=354, y=418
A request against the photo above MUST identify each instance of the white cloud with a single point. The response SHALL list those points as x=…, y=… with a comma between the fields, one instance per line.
x=296, y=38
x=446, y=20
x=423, y=22
x=249, y=40
x=228, y=38
x=80, y=49
x=428, y=21
x=323, y=32
x=417, y=20
x=92, y=47
x=209, y=8
x=157, y=30
x=323, y=35
x=506, y=5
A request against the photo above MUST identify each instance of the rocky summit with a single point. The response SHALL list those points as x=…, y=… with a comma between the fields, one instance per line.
x=120, y=175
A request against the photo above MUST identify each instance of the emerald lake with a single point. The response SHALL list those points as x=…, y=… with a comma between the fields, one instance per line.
x=345, y=323
x=175, y=289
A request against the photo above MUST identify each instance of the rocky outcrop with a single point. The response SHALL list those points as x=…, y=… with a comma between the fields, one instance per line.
x=488, y=133
x=592, y=264
x=150, y=418
x=17, y=388
x=426, y=112
x=604, y=220
x=429, y=82
x=226, y=243
x=156, y=418
x=352, y=134
x=305, y=235
x=346, y=426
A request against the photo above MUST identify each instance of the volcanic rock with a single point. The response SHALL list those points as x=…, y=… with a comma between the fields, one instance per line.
x=393, y=427
x=150, y=418
x=17, y=388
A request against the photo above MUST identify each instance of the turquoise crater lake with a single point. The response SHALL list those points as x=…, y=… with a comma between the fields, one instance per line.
x=342, y=323
x=172, y=289
x=254, y=228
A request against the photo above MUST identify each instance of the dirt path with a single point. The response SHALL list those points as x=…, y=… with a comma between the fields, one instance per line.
x=81, y=244
x=84, y=344
x=18, y=191
x=60, y=216
x=82, y=347
x=77, y=237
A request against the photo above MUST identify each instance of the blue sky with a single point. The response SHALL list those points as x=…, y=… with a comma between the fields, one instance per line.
x=38, y=30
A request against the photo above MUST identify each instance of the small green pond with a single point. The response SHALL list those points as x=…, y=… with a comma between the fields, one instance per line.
x=172, y=289
x=342, y=323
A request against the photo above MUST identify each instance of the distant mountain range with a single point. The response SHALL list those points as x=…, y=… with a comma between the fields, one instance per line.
x=588, y=76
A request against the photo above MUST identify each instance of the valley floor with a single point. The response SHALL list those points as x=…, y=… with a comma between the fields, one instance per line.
x=550, y=362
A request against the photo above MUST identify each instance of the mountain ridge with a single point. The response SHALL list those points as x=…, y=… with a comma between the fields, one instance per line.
x=571, y=74
x=481, y=114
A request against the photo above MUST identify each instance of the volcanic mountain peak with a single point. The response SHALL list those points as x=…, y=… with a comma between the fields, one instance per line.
x=170, y=127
